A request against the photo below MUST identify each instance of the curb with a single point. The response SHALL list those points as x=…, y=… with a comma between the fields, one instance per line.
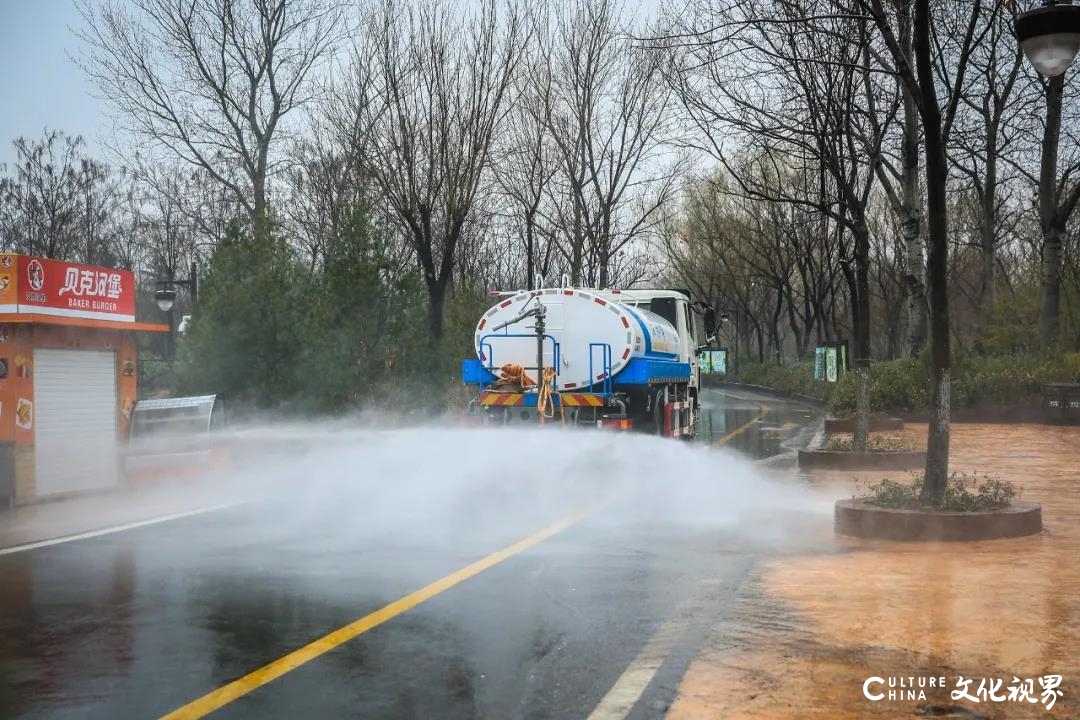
x=871, y=460
x=854, y=518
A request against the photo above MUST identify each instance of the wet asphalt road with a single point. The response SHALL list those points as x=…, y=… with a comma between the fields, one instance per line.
x=139, y=623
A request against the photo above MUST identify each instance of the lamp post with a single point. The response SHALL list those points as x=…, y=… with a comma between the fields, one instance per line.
x=1050, y=35
x=165, y=297
x=725, y=318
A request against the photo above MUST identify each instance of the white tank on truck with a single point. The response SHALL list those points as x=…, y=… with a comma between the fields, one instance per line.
x=607, y=358
x=589, y=337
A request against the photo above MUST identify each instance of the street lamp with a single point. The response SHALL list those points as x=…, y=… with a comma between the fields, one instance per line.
x=725, y=318
x=1050, y=35
x=165, y=297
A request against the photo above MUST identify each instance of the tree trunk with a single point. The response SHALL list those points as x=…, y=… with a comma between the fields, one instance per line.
x=436, y=307
x=914, y=283
x=1050, y=302
x=800, y=331
x=988, y=232
x=861, y=306
x=911, y=209
x=529, y=263
x=937, y=439
x=774, y=329
x=259, y=203
x=576, y=261
x=862, y=404
x=605, y=261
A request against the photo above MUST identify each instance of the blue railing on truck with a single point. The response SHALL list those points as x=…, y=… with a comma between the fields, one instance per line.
x=474, y=372
x=605, y=361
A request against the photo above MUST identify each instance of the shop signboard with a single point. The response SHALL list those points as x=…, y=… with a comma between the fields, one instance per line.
x=713, y=362
x=719, y=361
x=55, y=287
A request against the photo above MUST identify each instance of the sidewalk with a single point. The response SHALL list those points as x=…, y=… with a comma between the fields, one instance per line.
x=815, y=627
x=123, y=506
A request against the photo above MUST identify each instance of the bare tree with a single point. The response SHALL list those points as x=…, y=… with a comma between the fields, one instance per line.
x=900, y=181
x=431, y=88
x=986, y=130
x=1058, y=195
x=326, y=193
x=808, y=96
x=724, y=242
x=211, y=82
x=607, y=110
x=59, y=203
x=101, y=222
x=916, y=69
x=205, y=208
x=524, y=168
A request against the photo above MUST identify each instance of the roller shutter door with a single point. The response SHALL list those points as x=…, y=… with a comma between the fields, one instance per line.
x=75, y=420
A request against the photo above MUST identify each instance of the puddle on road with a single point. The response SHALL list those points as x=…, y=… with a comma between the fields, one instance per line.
x=767, y=434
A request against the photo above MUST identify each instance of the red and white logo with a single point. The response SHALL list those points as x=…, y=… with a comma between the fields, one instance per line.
x=35, y=274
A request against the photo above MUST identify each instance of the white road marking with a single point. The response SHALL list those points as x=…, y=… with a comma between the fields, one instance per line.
x=115, y=529
x=627, y=690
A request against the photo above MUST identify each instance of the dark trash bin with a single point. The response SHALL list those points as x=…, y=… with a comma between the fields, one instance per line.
x=1061, y=402
x=1072, y=404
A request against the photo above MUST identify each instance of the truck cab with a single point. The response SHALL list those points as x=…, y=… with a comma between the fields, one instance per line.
x=688, y=318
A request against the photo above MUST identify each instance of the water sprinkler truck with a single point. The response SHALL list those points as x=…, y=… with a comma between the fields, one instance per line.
x=620, y=359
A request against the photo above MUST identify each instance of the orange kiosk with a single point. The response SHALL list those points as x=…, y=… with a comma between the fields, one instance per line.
x=68, y=375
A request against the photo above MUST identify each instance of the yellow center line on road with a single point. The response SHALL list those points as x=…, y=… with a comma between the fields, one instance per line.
x=235, y=690
x=268, y=673
x=763, y=410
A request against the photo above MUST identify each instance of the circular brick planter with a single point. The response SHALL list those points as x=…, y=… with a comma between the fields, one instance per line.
x=871, y=460
x=847, y=425
x=856, y=518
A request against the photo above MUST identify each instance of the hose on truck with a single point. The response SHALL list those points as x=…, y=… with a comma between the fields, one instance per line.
x=544, y=406
x=512, y=373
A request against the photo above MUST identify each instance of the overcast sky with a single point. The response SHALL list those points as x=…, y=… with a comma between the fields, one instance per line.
x=41, y=87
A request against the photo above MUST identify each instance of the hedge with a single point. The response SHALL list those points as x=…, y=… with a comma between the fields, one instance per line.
x=899, y=386
x=797, y=379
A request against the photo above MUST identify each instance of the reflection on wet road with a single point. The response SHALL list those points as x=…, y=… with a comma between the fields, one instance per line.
x=758, y=428
x=140, y=623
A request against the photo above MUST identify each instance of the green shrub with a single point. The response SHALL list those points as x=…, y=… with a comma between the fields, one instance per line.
x=903, y=385
x=1072, y=362
x=1012, y=327
x=278, y=336
x=890, y=494
x=797, y=378
x=963, y=493
x=876, y=443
